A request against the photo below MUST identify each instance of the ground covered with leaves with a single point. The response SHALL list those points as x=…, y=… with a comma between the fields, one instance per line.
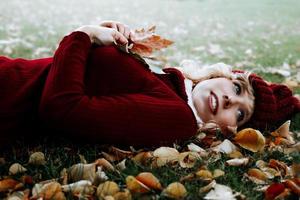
x=248, y=166
x=259, y=36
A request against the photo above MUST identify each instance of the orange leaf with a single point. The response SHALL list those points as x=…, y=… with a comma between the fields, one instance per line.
x=9, y=184
x=149, y=180
x=294, y=185
x=146, y=42
x=250, y=139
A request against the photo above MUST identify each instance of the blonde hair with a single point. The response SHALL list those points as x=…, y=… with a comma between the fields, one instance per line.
x=196, y=73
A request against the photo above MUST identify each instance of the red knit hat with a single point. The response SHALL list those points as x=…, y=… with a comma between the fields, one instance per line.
x=274, y=104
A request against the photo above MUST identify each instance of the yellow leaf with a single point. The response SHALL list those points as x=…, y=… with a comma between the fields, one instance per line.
x=149, y=180
x=107, y=188
x=175, y=190
x=250, y=139
x=136, y=186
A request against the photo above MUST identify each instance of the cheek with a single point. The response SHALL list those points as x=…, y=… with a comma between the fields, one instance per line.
x=226, y=118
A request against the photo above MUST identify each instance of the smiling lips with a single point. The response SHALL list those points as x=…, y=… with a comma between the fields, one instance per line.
x=213, y=102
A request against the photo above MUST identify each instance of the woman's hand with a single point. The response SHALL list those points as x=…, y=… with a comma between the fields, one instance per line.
x=104, y=35
x=122, y=28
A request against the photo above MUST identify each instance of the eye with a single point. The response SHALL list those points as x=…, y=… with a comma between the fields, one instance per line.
x=240, y=115
x=237, y=88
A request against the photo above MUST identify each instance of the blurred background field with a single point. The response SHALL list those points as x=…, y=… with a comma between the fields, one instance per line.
x=253, y=34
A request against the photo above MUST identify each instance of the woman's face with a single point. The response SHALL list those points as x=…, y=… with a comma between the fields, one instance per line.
x=222, y=101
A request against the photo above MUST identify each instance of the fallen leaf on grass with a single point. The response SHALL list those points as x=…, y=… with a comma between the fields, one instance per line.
x=164, y=155
x=135, y=186
x=123, y=195
x=48, y=191
x=143, y=158
x=294, y=185
x=225, y=147
x=258, y=174
x=279, y=166
x=221, y=192
x=37, y=158
x=19, y=195
x=175, y=190
x=107, y=188
x=217, y=173
x=237, y=161
x=283, y=132
x=92, y=172
x=250, y=139
x=149, y=180
x=83, y=187
x=204, y=174
x=208, y=187
x=16, y=168
x=9, y=184
x=188, y=159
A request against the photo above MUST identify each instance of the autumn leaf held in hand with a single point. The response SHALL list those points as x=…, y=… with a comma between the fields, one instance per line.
x=146, y=42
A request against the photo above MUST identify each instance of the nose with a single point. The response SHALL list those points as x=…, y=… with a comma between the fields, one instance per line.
x=228, y=101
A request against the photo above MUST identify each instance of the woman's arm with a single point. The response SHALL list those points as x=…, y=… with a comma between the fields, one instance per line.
x=145, y=118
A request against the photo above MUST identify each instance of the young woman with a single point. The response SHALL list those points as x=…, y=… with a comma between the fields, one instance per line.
x=97, y=93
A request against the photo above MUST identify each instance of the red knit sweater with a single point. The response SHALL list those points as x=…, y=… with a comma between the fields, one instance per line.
x=97, y=94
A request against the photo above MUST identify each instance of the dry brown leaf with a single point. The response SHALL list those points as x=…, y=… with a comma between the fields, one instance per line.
x=175, y=190
x=135, y=186
x=237, y=161
x=124, y=195
x=225, y=147
x=253, y=172
x=19, y=195
x=164, y=155
x=217, y=173
x=83, y=188
x=92, y=172
x=283, y=132
x=250, y=139
x=48, y=191
x=9, y=184
x=279, y=166
x=149, y=180
x=208, y=187
x=204, y=174
x=104, y=164
x=119, y=153
x=16, y=168
x=221, y=192
x=146, y=42
x=296, y=170
x=143, y=158
x=37, y=158
x=106, y=189
x=188, y=159
x=294, y=185
x=236, y=154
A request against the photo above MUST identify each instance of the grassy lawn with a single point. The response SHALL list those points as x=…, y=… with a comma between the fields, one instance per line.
x=254, y=35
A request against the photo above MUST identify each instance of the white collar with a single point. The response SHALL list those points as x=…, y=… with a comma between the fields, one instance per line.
x=188, y=89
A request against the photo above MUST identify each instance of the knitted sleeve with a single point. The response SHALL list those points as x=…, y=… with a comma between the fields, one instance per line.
x=140, y=119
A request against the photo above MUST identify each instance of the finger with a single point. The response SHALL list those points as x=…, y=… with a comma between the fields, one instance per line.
x=119, y=38
x=121, y=28
x=109, y=24
x=127, y=32
x=132, y=36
